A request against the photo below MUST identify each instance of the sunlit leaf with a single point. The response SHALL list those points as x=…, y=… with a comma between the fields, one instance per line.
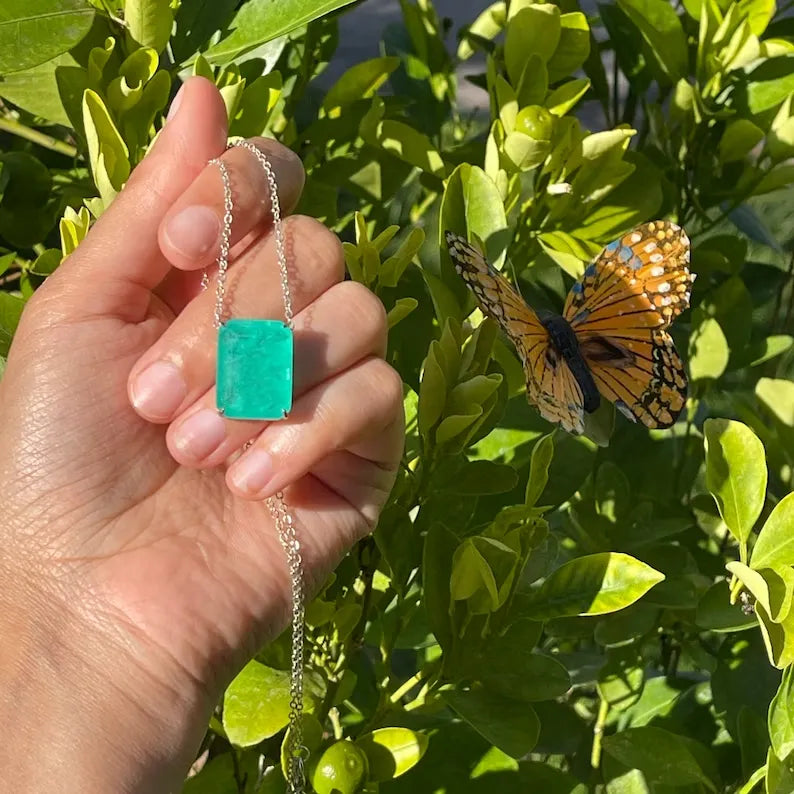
x=592, y=585
x=34, y=31
x=735, y=473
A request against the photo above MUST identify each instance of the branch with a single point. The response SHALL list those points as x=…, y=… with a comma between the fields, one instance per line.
x=37, y=137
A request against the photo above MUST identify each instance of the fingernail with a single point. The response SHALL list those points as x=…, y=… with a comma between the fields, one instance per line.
x=193, y=231
x=200, y=434
x=253, y=471
x=172, y=111
x=159, y=390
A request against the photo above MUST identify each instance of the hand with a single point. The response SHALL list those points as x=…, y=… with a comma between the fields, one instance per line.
x=134, y=562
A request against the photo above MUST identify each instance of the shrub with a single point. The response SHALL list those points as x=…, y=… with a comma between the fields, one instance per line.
x=535, y=611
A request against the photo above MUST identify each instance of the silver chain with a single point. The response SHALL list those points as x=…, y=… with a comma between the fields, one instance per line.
x=285, y=525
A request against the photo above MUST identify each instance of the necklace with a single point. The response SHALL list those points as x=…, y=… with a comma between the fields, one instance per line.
x=254, y=381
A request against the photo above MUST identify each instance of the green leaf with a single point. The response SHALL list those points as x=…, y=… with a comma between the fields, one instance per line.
x=482, y=477
x=759, y=13
x=474, y=391
x=775, y=544
x=25, y=214
x=46, y=263
x=767, y=349
x=359, y=82
x=627, y=625
x=534, y=30
x=453, y=426
x=256, y=704
x=432, y=391
x=573, y=47
x=592, y=585
x=256, y=106
x=781, y=717
x=10, y=311
x=218, y=775
x=311, y=738
x=48, y=90
x=149, y=22
x=481, y=573
x=108, y=154
x=35, y=31
x=735, y=474
x=778, y=637
x=401, y=309
x=486, y=26
x=562, y=99
x=260, y=21
x=708, y=348
x=472, y=202
x=659, y=25
x=401, y=140
x=599, y=144
x=542, y=454
x=779, y=774
x=769, y=83
x=778, y=396
x=664, y=757
x=716, y=613
x=391, y=752
x=510, y=725
x=515, y=671
x=739, y=138
x=621, y=681
x=440, y=545
x=612, y=492
x=771, y=589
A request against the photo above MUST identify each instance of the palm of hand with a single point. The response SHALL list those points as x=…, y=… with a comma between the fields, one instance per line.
x=100, y=520
x=190, y=568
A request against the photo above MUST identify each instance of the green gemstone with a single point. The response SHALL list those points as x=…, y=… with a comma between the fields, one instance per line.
x=254, y=369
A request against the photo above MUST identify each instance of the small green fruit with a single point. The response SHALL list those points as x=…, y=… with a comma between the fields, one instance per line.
x=536, y=122
x=342, y=769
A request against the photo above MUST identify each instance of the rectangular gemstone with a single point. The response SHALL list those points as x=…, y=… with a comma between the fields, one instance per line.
x=254, y=376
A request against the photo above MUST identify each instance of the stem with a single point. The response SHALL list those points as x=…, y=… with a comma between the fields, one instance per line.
x=598, y=733
x=333, y=715
x=40, y=138
x=403, y=690
x=743, y=551
x=754, y=780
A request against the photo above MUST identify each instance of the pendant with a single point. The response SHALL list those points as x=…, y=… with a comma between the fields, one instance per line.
x=254, y=375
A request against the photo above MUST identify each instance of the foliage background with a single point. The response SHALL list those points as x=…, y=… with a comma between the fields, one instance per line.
x=535, y=612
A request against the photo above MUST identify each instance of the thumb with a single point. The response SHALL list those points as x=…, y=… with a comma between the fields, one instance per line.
x=120, y=258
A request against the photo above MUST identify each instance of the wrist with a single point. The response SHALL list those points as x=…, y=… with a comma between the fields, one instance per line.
x=79, y=696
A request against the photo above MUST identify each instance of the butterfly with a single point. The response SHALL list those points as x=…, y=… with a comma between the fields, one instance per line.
x=611, y=340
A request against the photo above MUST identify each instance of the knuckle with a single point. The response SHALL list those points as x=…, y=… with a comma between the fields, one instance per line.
x=366, y=311
x=385, y=382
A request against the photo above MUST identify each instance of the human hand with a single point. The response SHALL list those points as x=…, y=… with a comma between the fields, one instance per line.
x=132, y=562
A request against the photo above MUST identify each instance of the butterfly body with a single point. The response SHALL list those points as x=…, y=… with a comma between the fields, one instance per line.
x=611, y=340
x=564, y=344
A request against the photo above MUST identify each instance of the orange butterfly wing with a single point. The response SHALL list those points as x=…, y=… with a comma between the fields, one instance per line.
x=621, y=309
x=551, y=386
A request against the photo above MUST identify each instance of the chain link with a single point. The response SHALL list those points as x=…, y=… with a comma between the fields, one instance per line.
x=285, y=525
